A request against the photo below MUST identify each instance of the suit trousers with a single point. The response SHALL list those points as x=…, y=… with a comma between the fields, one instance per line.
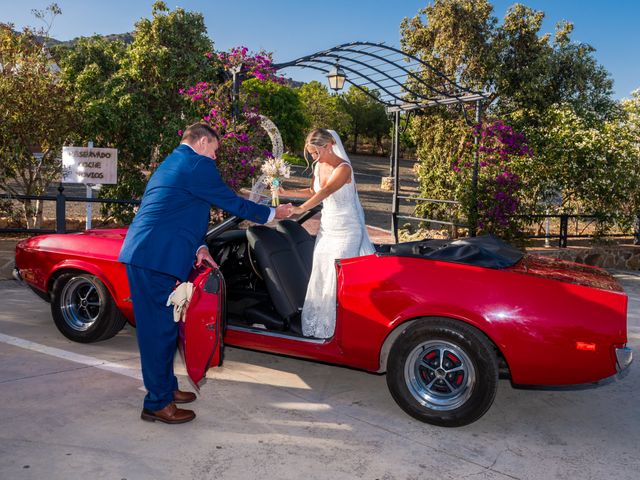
x=156, y=331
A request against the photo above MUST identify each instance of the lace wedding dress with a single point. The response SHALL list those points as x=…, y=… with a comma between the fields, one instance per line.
x=342, y=234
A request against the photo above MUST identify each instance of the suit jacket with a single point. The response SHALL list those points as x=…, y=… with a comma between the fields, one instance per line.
x=174, y=214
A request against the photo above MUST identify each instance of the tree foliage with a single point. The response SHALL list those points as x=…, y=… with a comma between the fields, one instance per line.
x=35, y=118
x=631, y=107
x=631, y=126
x=282, y=104
x=368, y=116
x=128, y=95
x=324, y=110
x=550, y=88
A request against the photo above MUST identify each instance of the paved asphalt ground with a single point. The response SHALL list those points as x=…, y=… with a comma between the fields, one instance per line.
x=71, y=411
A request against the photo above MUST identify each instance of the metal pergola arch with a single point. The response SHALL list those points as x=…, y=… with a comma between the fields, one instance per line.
x=393, y=74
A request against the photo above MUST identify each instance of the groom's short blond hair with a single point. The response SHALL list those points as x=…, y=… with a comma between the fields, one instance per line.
x=195, y=132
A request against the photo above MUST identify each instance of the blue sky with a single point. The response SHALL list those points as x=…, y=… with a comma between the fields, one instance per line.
x=292, y=28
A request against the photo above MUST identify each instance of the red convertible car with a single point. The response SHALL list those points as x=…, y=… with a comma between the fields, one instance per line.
x=444, y=319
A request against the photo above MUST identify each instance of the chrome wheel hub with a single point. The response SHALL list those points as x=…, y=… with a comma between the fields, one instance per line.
x=80, y=303
x=439, y=375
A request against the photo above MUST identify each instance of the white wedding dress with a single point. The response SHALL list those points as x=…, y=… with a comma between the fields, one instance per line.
x=342, y=234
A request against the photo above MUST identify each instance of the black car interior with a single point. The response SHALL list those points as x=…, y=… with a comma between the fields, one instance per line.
x=266, y=271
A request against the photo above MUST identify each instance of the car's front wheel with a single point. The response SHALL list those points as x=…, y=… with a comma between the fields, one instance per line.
x=83, y=309
x=443, y=372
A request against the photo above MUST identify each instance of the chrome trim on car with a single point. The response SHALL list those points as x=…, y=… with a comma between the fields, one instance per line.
x=16, y=276
x=267, y=333
x=624, y=357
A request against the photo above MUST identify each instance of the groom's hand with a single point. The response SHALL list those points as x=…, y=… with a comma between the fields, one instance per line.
x=284, y=210
x=203, y=256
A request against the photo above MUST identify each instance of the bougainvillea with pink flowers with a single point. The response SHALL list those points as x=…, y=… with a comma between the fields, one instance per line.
x=243, y=142
x=258, y=65
x=498, y=186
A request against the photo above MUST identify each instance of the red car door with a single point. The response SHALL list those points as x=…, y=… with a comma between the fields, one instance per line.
x=203, y=326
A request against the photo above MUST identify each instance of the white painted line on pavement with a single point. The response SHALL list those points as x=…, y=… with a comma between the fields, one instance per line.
x=10, y=262
x=72, y=357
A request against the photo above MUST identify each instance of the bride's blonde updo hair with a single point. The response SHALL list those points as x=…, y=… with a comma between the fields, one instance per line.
x=319, y=137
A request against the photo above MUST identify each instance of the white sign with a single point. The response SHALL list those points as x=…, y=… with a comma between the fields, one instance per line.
x=551, y=197
x=89, y=165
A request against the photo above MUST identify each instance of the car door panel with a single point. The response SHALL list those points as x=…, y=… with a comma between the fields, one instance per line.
x=201, y=332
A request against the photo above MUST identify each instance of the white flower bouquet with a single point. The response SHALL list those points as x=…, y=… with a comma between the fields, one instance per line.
x=274, y=170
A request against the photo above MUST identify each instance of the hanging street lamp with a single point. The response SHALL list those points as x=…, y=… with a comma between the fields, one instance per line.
x=336, y=78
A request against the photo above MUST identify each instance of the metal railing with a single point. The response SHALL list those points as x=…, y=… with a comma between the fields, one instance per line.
x=450, y=223
x=61, y=200
x=61, y=205
x=562, y=235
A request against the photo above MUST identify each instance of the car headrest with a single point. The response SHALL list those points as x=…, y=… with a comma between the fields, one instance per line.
x=296, y=232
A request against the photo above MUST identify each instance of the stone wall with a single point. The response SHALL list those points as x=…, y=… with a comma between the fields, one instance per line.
x=620, y=257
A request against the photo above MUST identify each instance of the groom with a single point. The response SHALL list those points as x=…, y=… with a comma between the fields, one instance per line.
x=162, y=243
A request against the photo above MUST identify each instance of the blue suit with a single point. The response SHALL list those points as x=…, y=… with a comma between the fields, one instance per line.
x=160, y=249
x=174, y=215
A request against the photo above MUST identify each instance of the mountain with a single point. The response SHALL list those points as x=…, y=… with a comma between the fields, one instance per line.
x=290, y=82
x=127, y=38
x=123, y=37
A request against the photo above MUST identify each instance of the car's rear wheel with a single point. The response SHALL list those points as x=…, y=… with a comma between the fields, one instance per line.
x=83, y=309
x=443, y=372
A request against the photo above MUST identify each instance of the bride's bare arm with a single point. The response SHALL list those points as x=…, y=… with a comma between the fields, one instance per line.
x=296, y=192
x=338, y=179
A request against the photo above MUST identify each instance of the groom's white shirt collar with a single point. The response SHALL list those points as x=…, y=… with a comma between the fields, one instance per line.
x=185, y=143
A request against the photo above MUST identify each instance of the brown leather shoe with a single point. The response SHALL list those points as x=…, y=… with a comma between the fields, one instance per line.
x=183, y=397
x=169, y=414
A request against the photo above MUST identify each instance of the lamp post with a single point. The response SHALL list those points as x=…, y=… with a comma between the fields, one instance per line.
x=473, y=214
x=235, y=89
x=336, y=78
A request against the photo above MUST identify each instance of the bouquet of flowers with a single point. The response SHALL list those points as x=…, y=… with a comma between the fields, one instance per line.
x=274, y=170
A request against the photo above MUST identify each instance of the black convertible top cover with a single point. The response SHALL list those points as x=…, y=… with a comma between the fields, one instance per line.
x=483, y=251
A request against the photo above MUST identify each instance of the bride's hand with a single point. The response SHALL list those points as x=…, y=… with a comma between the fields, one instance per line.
x=296, y=211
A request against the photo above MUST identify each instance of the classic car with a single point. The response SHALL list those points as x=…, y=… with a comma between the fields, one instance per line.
x=444, y=319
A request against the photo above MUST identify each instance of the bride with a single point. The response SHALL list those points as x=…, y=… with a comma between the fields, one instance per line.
x=342, y=233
